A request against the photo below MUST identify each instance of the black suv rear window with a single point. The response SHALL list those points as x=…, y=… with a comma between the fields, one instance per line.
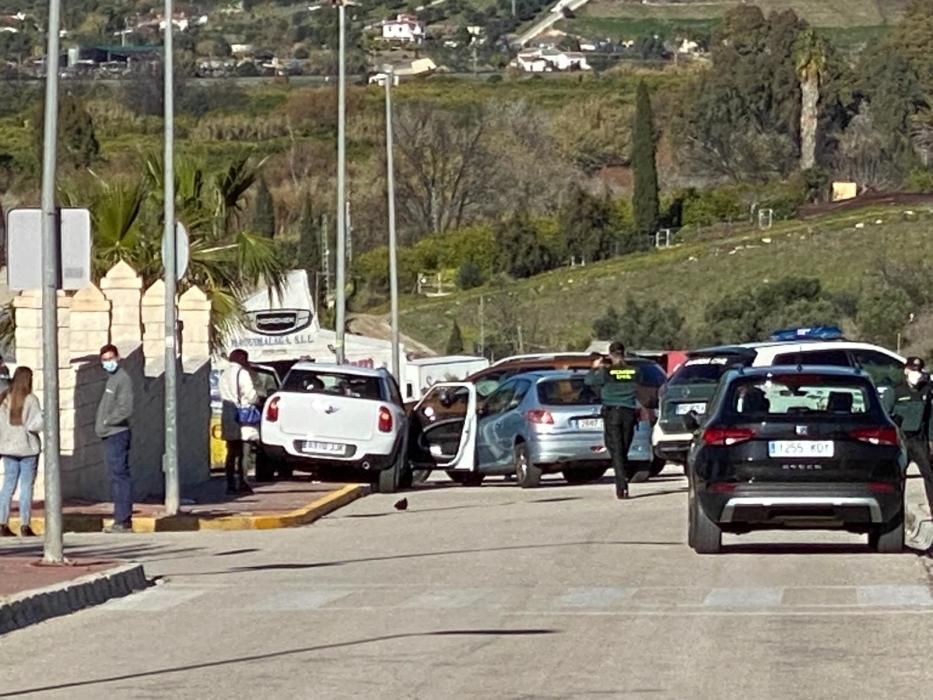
x=703, y=370
x=566, y=392
x=334, y=384
x=801, y=395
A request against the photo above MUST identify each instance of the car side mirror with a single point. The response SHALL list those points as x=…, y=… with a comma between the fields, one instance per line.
x=691, y=421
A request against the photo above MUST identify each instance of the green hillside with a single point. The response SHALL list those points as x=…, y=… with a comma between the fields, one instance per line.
x=557, y=309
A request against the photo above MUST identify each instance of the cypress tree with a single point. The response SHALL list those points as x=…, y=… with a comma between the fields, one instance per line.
x=645, y=195
x=455, y=342
x=309, y=249
x=264, y=221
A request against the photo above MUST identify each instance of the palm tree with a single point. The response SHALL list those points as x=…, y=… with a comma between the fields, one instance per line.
x=810, y=52
x=226, y=261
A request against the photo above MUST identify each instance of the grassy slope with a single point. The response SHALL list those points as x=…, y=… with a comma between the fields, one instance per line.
x=848, y=21
x=690, y=276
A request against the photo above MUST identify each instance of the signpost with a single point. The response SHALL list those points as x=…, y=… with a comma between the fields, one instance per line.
x=54, y=544
x=71, y=230
x=170, y=263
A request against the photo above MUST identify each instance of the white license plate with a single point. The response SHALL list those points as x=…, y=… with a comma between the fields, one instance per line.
x=683, y=409
x=590, y=423
x=801, y=448
x=325, y=448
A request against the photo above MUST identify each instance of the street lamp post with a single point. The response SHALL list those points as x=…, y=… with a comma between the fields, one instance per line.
x=170, y=465
x=54, y=544
x=340, y=282
x=393, y=245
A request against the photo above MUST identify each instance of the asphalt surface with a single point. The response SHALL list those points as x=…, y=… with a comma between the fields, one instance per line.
x=558, y=592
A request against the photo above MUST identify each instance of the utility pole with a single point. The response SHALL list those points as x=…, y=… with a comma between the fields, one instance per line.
x=325, y=258
x=170, y=459
x=341, y=283
x=393, y=252
x=482, y=328
x=54, y=544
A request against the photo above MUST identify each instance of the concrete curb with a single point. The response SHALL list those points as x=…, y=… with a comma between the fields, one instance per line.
x=183, y=522
x=31, y=607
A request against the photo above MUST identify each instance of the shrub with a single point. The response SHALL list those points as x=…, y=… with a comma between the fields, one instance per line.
x=469, y=276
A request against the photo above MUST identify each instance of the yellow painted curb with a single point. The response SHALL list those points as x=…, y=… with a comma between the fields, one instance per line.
x=187, y=522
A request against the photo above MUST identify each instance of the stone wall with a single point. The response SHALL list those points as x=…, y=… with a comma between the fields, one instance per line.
x=122, y=313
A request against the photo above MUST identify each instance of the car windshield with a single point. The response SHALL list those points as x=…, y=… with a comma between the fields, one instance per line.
x=797, y=395
x=334, y=383
x=566, y=392
x=702, y=370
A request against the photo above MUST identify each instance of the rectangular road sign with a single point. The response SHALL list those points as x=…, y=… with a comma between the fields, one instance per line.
x=24, y=248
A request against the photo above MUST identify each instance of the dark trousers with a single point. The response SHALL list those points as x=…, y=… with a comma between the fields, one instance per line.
x=117, y=458
x=619, y=425
x=234, y=465
x=918, y=451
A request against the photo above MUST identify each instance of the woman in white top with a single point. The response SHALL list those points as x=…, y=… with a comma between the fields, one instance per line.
x=20, y=423
x=239, y=418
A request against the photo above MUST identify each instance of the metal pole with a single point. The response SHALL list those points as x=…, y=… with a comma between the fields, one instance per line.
x=340, y=283
x=393, y=244
x=171, y=362
x=54, y=545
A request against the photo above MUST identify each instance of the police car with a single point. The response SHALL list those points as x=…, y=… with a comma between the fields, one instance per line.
x=692, y=386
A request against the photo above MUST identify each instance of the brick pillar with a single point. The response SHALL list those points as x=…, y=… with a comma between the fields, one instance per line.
x=153, y=314
x=194, y=309
x=123, y=288
x=90, y=322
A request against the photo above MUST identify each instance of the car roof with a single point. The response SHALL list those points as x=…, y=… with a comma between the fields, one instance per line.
x=776, y=346
x=828, y=370
x=343, y=369
x=541, y=374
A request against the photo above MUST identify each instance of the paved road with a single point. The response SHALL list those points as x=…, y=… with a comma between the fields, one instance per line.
x=560, y=592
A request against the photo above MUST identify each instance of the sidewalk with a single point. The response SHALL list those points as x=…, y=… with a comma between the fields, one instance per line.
x=31, y=591
x=274, y=505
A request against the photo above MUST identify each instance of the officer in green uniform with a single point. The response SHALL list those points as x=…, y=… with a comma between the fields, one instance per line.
x=617, y=381
x=910, y=405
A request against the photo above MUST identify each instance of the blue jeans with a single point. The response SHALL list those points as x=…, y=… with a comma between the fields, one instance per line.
x=117, y=457
x=23, y=470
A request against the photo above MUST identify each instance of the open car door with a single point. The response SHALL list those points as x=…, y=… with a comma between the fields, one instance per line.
x=442, y=428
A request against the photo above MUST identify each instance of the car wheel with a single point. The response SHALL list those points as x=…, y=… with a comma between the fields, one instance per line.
x=657, y=466
x=691, y=520
x=888, y=538
x=389, y=480
x=466, y=478
x=583, y=475
x=707, y=535
x=526, y=473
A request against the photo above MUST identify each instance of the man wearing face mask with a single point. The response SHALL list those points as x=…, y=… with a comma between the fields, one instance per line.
x=113, y=427
x=910, y=405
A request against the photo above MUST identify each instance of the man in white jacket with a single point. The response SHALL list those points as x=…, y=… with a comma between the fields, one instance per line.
x=239, y=418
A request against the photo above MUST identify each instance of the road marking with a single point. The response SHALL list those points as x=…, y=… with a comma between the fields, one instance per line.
x=744, y=597
x=154, y=599
x=594, y=597
x=450, y=598
x=894, y=596
x=301, y=600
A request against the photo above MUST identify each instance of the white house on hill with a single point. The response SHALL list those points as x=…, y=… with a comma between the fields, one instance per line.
x=548, y=60
x=403, y=28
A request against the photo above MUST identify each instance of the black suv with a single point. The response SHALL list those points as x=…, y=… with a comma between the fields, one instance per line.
x=805, y=447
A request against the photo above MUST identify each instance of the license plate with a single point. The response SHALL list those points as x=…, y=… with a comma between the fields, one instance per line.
x=590, y=423
x=683, y=409
x=326, y=448
x=801, y=448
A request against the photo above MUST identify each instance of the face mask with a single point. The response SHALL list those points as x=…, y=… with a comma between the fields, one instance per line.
x=914, y=377
x=109, y=366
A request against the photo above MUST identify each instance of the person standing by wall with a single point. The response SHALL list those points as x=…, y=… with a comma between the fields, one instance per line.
x=20, y=424
x=617, y=381
x=239, y=418
x=113, y=427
